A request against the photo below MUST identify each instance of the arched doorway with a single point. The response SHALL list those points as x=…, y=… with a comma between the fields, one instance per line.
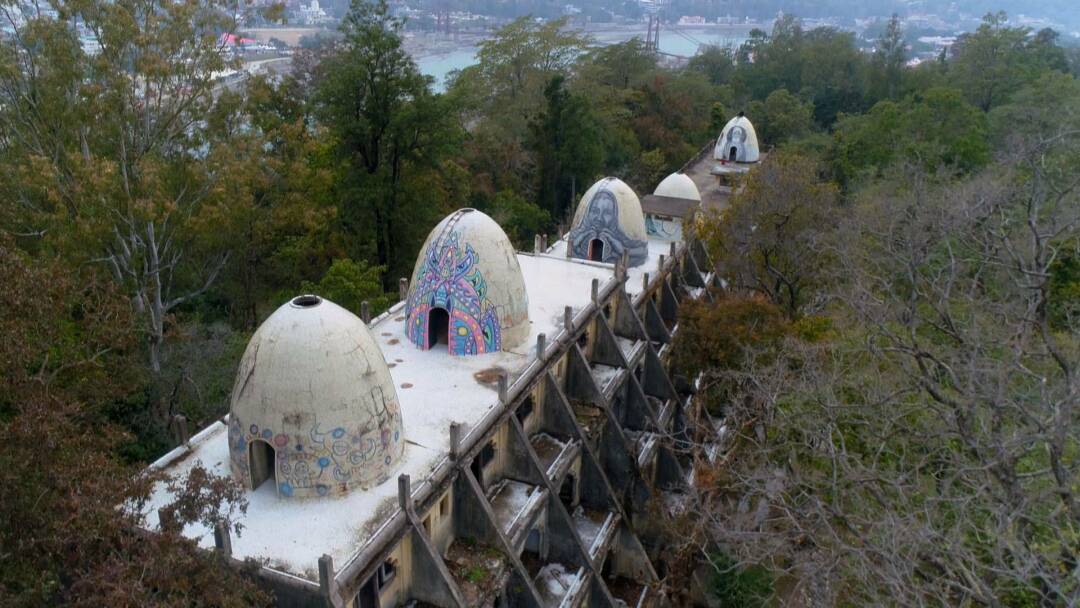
x=261, y=463
x=438, y=330
x=596, y=250
x=733, y=154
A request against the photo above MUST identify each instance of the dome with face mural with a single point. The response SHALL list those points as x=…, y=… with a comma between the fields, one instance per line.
x=314, y=408
x=608, y=223
x=738, y=142
x=467, y=293
x=678, y=185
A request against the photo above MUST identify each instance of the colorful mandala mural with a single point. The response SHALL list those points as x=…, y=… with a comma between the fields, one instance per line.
x=450, y=280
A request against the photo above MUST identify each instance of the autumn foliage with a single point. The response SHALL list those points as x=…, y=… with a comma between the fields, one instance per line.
x=69, y=522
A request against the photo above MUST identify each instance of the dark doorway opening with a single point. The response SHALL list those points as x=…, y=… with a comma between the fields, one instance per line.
x=566, y=492
x=533, y=542
x=478, y=471
x=486, y=455
x=261, y=463
x=733, y=154
x=438, y=327
x=368, y=597
x=596, y=250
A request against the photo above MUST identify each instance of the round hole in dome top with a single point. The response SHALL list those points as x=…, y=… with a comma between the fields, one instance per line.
x=306, y=301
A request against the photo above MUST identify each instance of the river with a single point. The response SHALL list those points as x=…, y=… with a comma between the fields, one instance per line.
x=683, y=42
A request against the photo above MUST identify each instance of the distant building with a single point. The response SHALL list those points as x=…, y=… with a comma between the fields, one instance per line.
x=311, y=14
x=692, y=20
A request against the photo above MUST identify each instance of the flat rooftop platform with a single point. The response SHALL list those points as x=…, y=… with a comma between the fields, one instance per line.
x=714, y=197
x=434, y=389
x=635, y=275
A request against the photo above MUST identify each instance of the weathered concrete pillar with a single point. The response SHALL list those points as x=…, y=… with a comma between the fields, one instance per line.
x=662, y=260
x=568, y=319
x=536, y=244
x=455, y=440
x=365, y=312
x=180, y=429
x=645, y=282
x=404, y=486
x=504, y=382
x=326, y=578
x=403, y=288
x=543, y=242
x=541, y=346
x=596, y=291
x=222, y=538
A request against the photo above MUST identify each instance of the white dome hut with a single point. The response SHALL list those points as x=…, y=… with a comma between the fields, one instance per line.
x=673, y=202
x=679, y=185
x=314, y=407
x=467, y=290
x=738, y=142
x=609, y=222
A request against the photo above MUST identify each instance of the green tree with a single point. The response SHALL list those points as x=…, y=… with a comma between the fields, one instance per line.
x=69, y=530
x=349, y=284
x=521, y=219
x=105, y=155
x=822, y=65
x=715, y=62
x=520, y=60
x=995, y=61
x=889, y=60
x=834, y=74
x=568, y=145
x=770, y=241
x=782, y=117
x=735, y=585
x=619, y=65
x=934, y=129
x=390, y=129
x=772, y=61
x=278, y=215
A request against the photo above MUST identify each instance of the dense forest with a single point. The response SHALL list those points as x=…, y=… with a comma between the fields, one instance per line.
x=894, y=352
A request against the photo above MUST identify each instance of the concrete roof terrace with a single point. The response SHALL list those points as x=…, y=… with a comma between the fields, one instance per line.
x=434, y=390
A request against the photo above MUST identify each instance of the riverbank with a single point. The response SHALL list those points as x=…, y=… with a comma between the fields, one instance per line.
x=437, y=55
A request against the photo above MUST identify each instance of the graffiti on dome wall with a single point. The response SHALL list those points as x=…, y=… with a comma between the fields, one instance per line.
x=733, y=145
x=317, y=459
x=601, y=222
x=660, y=227
x=450, y=279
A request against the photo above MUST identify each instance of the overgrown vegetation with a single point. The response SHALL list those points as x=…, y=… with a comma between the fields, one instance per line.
x=896, y=361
